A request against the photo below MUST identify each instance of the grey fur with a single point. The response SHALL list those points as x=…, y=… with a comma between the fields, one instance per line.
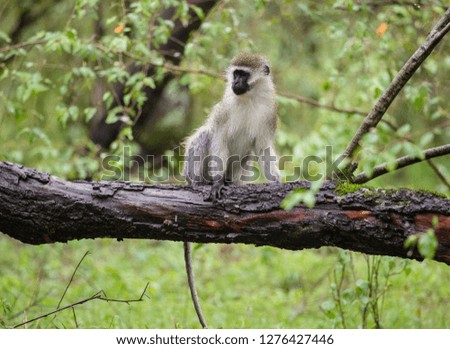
x=237, y=127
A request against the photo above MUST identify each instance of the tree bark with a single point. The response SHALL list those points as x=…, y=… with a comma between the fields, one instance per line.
x=37, y=208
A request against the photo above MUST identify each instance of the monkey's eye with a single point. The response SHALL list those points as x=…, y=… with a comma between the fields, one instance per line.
x=266, y=70
x=240, y=74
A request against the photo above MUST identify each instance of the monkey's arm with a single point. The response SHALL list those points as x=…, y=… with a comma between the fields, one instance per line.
x=217, y=164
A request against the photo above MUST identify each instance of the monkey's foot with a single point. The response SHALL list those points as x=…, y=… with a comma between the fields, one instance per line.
x=216, y=192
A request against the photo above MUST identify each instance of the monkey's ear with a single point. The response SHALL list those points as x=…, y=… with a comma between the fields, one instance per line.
x=266, y=70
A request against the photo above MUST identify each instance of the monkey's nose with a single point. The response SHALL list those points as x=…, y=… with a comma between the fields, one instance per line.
x=240, y=89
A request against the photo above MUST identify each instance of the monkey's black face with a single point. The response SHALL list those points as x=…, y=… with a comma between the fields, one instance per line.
x=240, y=82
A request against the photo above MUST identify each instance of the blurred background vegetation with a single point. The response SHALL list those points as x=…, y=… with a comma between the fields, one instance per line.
x=82, y=79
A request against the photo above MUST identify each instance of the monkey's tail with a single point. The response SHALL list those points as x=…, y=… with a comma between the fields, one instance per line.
x=191, y=282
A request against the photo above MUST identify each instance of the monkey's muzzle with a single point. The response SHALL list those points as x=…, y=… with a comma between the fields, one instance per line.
x=239, y=90
x=240, y=84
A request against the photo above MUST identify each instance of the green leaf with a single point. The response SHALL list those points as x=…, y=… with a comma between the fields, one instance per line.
x=71, y=34
x=127, y=99
x=293, y=198
x=148, y=81
x=113, y=115
x=348, y=295
x=199, y=12
x=5, y=37
x=297, y=196
x=404, y=130
x=85, y=72
x=426, y=139
x=435, y=221
x=119, y=44
x=411, y=241
x=428, y=244
x=108, y=98
x=329, y=308
x=35, y=133
x=111, y=20
x=362, y=286
x=89, y=113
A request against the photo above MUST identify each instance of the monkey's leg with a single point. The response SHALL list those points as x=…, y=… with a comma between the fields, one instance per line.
x=196, y=152
x=219, y=159
x=191, y=282
x=268, y=163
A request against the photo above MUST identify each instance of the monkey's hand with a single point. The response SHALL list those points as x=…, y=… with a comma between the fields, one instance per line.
x=216, y=191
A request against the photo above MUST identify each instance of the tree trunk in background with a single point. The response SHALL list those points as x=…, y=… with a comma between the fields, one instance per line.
x=104, y=134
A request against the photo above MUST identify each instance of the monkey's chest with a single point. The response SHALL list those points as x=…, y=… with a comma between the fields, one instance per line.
x=241, y=143
x=248, y=133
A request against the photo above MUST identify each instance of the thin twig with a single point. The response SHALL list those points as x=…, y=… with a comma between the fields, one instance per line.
x=400, y=80
x=75, y=317
x=337, y=295
x=317, y=104
x=403, y=162
x=391, y=125
x=22, y=44
x=429, y=163
x=115, y=300
x=178, y=69
x=439, y=173
x=439, y=126
x=71, y=279
x=377, y=4
x=97, y=296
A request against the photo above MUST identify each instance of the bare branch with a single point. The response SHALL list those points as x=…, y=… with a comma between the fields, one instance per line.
x=439, y=173
x=409, y=139
x=127, y=301
x=97, y=296
x=378, y=221
x=375, y=5
x=317, y=104
x=400, y=80
x=21, y=45
x=71, y=279
x=177, y=69
x=391, y=125
x=403, y=162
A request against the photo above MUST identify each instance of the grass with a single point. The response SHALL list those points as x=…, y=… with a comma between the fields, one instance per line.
x=239, y=286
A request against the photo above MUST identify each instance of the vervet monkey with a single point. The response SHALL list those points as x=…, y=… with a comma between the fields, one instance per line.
x=241, y=125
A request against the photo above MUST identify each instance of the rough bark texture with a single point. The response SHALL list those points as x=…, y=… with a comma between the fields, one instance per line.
x=37, y=208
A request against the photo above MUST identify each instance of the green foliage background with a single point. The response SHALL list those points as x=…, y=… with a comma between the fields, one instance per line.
x=329, y=52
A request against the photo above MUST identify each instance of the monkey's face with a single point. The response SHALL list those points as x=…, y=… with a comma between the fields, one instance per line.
x=240, y=83
x=244, y=79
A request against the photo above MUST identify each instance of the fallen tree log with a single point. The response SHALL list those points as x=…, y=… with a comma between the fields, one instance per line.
x=37, y=208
